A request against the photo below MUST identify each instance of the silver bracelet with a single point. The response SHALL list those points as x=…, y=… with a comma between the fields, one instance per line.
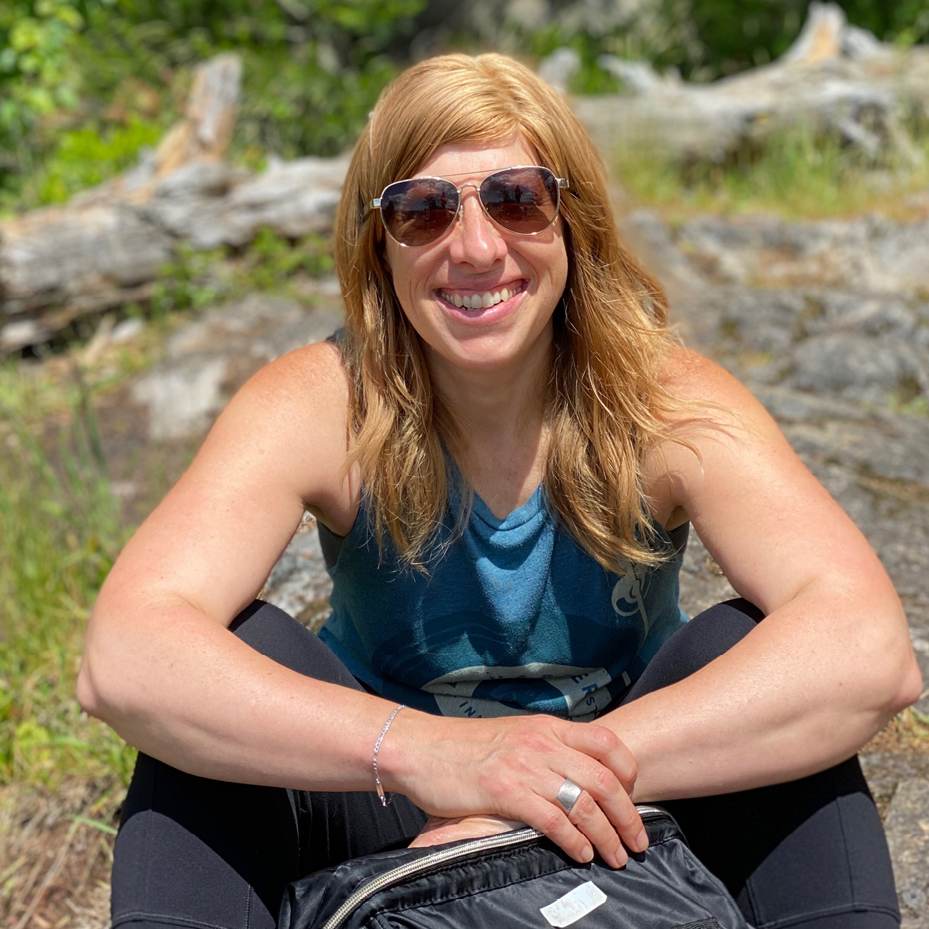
x=386, y=798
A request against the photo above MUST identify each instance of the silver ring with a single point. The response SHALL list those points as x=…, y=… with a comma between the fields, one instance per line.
x=567, y=794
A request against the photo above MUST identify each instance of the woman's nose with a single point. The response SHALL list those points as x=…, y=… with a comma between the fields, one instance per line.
x=476, y=240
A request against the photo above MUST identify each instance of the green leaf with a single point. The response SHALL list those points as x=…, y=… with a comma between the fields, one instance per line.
x=94, y=824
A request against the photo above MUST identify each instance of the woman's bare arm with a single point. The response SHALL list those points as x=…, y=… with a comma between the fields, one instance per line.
x=160, y=664
x=830, y=664
x=163, y=669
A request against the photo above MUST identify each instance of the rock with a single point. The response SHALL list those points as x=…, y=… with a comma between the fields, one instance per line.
x=209, y=358
x=299, y=583
x=870, y=254
x=21, y=333
x=908, y=837
x=648, y=229
x=854, y=367
x=183, y=397
x=702, y=582
x=859, y=347
x=126, y=330
x=884, y=770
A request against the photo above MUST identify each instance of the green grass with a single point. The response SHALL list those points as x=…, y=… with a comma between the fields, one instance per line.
x=794, y=175
x=59, y=533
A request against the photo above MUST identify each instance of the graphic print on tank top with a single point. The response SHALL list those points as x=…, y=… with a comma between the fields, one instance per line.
x=585, y=691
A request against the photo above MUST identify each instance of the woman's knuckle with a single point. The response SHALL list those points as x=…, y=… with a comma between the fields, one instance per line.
x=605, y=782
x=533, y=741
x=585, y=807
x=550, y=821
x=630, y=770
x=628, y=819
x=604, y=739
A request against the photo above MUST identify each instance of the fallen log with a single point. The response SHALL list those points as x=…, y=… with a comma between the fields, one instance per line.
x=835, y=80
x=106, y=246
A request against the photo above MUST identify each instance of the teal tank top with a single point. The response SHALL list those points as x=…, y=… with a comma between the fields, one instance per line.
x=514, y=617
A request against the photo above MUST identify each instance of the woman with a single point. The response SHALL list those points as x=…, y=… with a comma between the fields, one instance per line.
x=503, y=451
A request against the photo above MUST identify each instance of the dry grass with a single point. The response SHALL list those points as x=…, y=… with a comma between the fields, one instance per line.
x=55, y=855
x=906, y=734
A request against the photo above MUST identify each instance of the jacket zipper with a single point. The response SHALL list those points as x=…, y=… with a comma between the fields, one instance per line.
x=490, y=843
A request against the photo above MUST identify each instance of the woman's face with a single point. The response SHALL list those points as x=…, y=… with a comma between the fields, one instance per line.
x=476, y=256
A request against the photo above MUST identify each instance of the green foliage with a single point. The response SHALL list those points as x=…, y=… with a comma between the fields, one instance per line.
x=724, y=36
x=272, y=261
x=34, y=76
x=195, y=280
x=85, y=157
x=312, y=68
x=59, y=534
x=75, y=70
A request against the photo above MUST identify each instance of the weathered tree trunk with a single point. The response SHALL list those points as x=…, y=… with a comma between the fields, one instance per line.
x=836, y=79
x=107, y=245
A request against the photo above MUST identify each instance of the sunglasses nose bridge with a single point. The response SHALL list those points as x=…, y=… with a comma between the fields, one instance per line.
x=459, y=212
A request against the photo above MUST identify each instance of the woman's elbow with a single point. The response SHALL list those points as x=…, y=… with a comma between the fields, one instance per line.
x=909, y=685
x=88, y=689
x=98, y=683
x=85, y=691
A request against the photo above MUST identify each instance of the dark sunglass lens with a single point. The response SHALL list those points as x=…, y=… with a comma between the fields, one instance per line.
x=523, y=200
x=417, y=212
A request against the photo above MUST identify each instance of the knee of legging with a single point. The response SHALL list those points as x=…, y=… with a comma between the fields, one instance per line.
x=280, y=637
x=707, y=636
x=272, y=632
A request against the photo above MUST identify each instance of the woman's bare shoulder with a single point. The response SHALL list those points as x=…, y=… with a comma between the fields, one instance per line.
x=312, y=372
x=277, y=448
x=712, y=421
x=690, y=376
x=293, y=411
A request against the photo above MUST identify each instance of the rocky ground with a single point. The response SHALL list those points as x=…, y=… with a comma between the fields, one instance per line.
x=827, y=323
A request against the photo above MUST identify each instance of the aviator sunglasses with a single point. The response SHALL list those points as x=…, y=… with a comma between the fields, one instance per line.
x=523, y=199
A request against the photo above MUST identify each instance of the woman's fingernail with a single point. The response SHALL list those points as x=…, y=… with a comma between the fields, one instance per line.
x=587, y=853
x=641, y=841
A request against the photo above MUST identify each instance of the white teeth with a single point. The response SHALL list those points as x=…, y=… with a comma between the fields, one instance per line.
x=480, y=301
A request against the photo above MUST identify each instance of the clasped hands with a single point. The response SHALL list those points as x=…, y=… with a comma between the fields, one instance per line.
x=483, y=777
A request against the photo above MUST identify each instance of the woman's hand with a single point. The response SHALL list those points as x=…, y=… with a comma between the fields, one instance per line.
x=438, y=830
x=512, y=768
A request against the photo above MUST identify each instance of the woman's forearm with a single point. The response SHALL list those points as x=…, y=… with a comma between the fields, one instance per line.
x=807, y=688
x=184, y=689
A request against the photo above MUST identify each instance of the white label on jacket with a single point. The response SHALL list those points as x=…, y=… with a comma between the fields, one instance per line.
x=573, y=905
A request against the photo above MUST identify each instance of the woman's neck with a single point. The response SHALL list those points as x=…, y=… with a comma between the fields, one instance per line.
x=492, y=403
x=500, y=414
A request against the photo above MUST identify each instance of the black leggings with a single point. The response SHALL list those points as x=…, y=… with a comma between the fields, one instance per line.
x=809, y=854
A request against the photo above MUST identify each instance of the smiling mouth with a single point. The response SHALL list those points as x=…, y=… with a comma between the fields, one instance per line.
x=484, y=300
